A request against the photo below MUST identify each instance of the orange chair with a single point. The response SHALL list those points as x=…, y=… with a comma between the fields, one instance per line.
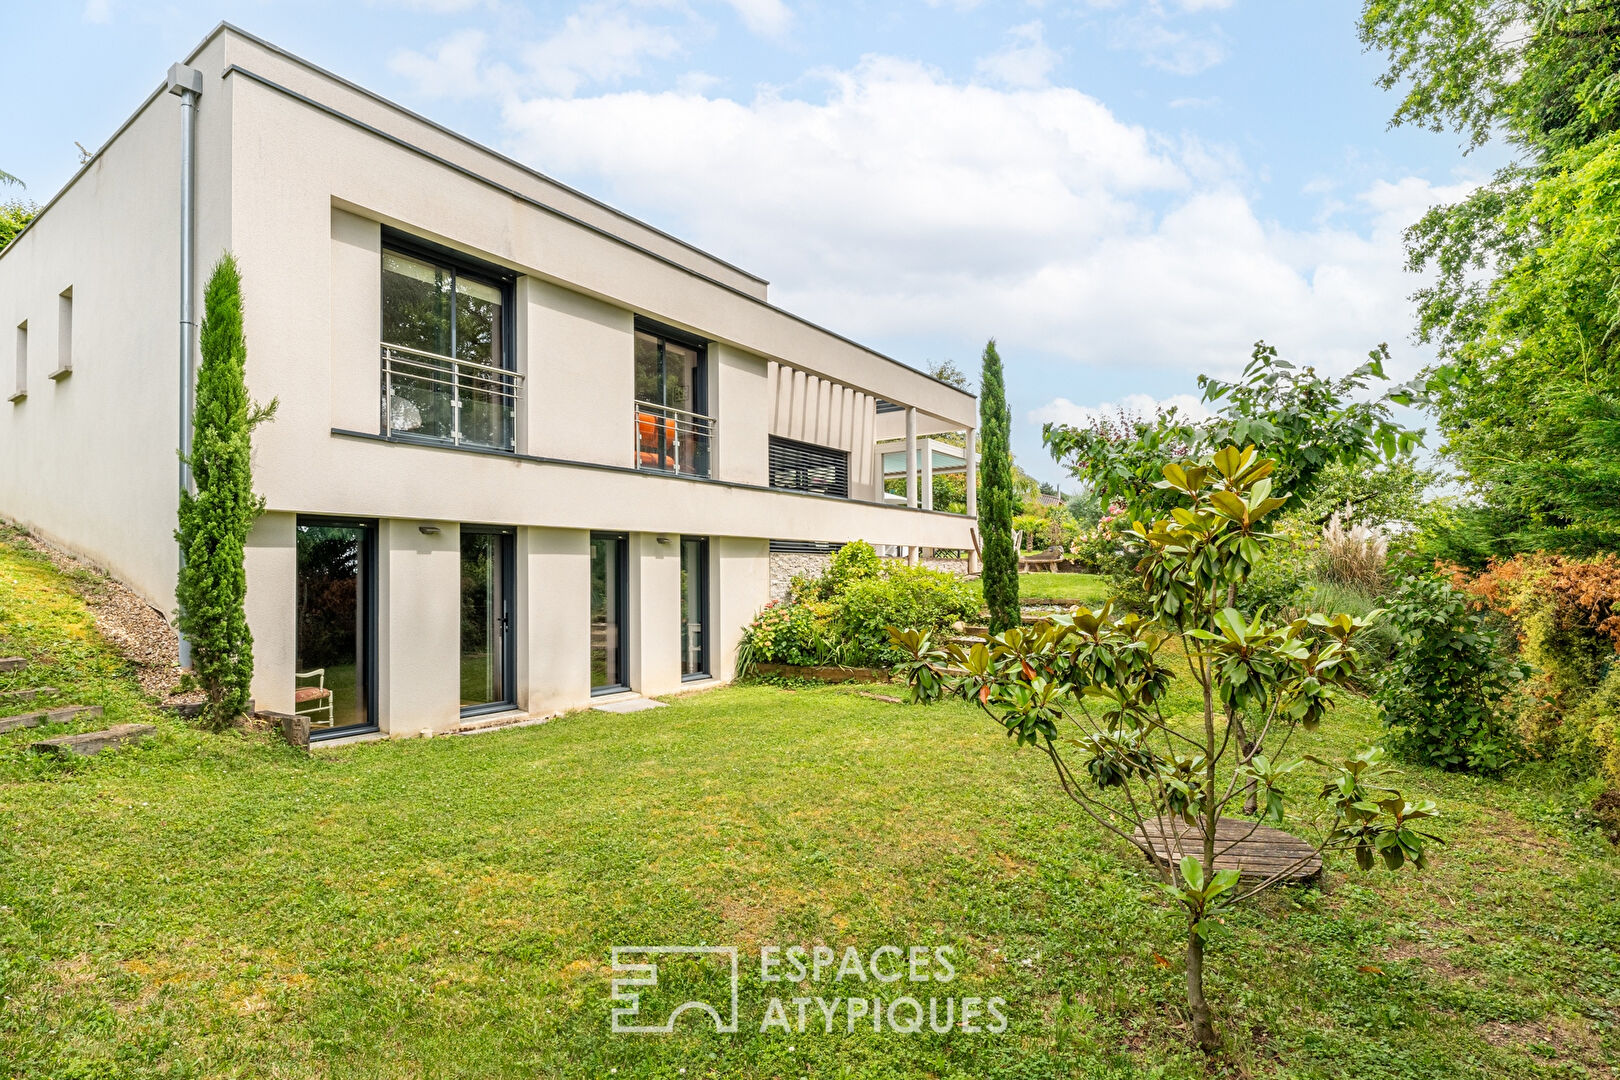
x=649, y=452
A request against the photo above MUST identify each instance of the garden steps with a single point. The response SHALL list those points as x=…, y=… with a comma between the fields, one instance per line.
x=18, y=696
x=48, y=716
x=1255, y=851
x=12, y=663
x=94, y=742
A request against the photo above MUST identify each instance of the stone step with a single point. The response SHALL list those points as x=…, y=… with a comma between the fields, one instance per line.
x=48, y=716
x=12, y=663
x=26, y=695
x=94, y=742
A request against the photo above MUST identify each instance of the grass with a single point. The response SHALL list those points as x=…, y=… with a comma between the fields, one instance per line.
x=217, y=905
x=1088, y=588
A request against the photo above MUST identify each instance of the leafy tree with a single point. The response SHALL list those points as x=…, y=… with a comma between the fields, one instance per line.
x=1303, y=421
x=946, y=371
x=1522, y=299
x=14, y=218
x=996, y=500
x=216, y=518
x=1089, y=689
x=15, y=214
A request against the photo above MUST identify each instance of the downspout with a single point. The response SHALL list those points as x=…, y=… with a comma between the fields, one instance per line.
x=186, y=83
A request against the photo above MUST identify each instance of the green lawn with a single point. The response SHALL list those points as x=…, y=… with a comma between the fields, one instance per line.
x=1088, y=588
x=216, y=905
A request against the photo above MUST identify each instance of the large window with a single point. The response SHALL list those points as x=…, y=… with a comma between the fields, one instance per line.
x=694, y=607
x=797, y=466
x=673, y=426
x=447, y=359
x=334, y=684
x=609, y=569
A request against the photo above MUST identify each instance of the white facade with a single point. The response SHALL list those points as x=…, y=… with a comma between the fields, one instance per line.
x=306, y=179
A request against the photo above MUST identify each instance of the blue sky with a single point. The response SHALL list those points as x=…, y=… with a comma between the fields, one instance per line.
x=1123, y=192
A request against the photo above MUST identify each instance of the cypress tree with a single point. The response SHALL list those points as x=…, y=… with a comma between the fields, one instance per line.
x=216, y=517
x=1000, y=576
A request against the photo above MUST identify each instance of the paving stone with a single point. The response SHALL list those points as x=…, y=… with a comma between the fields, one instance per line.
x=633, y=705
x=12, y=663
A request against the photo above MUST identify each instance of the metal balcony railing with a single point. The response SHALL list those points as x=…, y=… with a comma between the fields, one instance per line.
x=673, y=440
x=440, y=399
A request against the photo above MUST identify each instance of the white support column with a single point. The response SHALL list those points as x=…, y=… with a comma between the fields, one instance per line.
x=911, y=456
x=970, y=456
x=927, y=474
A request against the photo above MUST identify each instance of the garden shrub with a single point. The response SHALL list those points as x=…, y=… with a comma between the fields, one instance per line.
x=843, y=616
x=1442, y=695
x=912, y=596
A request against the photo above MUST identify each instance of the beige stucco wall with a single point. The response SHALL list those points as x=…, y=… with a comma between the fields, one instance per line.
x=554, y=587
x=88, y=461
x=271, y=559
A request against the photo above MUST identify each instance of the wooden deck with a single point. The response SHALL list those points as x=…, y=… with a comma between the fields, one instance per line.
x=1255, y=851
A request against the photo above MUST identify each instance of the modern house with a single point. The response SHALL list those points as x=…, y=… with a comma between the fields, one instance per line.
x=530, y=452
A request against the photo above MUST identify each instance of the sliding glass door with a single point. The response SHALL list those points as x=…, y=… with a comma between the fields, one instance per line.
x=609, y=569
x=486, y=620
x=694, y=607
x=335, y=649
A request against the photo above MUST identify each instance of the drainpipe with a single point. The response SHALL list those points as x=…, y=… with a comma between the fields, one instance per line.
x=186, y=83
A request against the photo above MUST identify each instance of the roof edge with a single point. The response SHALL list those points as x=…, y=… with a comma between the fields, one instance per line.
x=464, y=140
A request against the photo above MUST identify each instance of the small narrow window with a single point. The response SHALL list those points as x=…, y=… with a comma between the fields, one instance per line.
x=64, y=334
x=21, y=390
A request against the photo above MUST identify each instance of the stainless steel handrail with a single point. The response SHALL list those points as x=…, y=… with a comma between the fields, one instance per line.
x=434, y=370
x=687, y=452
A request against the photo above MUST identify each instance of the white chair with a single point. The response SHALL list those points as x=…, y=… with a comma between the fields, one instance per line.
x=317, y=698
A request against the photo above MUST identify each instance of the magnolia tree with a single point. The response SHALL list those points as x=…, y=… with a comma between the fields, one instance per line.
x=1089, y=690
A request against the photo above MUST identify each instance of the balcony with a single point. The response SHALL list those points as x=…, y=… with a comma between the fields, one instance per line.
x=672, y=440
x=438, y=399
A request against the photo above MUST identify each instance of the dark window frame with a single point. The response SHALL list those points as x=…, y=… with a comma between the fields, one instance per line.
x=416, y=247
x=506, y=280
x=508, y=556
x=369, y=620
x=704, y=604
x=808, y=451
x=675, y=336
x=621, y=613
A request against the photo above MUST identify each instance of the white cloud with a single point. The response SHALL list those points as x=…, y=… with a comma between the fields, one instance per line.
x=98, y=11
x=769, y=18
x=1025, y=61
x=901, y=204
x=600, y=43
x=1179, y=52
x=456, y=69
x=1135, y=406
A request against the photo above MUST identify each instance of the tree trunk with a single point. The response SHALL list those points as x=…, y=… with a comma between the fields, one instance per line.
x=1197, y=1007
